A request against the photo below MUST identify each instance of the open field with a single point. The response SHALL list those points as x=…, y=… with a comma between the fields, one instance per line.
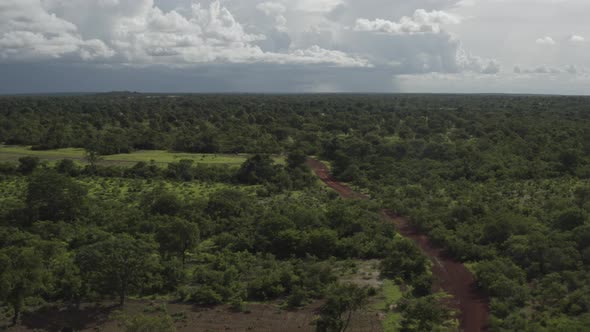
x=162, y=158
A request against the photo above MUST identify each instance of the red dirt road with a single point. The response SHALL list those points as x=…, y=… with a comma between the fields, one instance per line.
x=449, y=274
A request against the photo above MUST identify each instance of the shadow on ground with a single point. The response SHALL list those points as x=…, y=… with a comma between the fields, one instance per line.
x=60, y=319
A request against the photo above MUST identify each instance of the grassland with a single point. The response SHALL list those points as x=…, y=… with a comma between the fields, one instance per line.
x=162, y=158
x=391, y=294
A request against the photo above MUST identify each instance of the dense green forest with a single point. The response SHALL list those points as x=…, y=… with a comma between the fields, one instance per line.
x=501, y=182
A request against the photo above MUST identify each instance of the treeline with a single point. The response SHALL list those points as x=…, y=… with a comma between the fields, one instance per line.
x=274, y=124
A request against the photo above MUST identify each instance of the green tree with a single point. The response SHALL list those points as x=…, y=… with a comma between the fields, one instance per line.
x=226, y=203
x=342, y=301
x=92, y=156
x=296, y=159
x=426, y=313
x=22, y=274
x=53, y=196
x=119, y=265
x=165, y=203
x=570, y=219
x=28, y=164
x=177, y=236
x=403, y=260
x=256, y=170
x=182, y=170
x=68, y=167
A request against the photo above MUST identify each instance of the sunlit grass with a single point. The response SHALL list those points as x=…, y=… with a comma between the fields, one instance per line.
x=391, y=293
x=160, y=157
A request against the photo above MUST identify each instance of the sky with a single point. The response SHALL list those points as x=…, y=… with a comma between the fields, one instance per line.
x=295, y=46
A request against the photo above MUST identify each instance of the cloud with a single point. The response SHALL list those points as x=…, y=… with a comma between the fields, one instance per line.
x=275, y=10
x=135, y=32
x=545, y=41
x=271, y=8
x=29, y=32
x=318, y=55
x=548, y=70
x=421, y=22
x=576, y=39
x=321, y=6
x=314, y=44
x=471, y=63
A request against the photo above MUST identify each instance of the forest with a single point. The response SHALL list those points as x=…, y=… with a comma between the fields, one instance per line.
x=500, y=182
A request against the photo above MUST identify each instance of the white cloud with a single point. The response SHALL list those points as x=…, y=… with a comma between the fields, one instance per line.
x=271, y=8
x=421, y=22
x=138, y=33
x=29, y=32
x=317, y=55
x=576, y=39
x=471, y=63
x=545, y=41
x=275, y=10
x=322, y=6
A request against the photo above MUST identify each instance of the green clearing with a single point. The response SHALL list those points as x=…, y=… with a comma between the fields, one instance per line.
x=160, y=157
x=366, y=273
x=12, y=153
x=391, y=293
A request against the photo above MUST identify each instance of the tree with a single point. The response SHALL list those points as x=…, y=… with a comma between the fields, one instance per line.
x=403, y=260
x=118, y=265
x=226, y=203
x=256, y=170
x=426, y=313
x=177, y=236
x=570, y=219
x=21, y=275
x=582, y=195
x=341, y=302
x=68, y=167
x=296, y=159
x=92, y=156
x=569, y=159
x=53, y=196
x=181, y=170
x=165, y=203
x=26, y=165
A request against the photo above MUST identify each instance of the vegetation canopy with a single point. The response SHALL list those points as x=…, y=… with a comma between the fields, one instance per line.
x=207, y=200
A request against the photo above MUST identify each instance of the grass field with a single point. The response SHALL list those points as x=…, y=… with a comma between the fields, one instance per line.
x=391, y=294
x=160, y=157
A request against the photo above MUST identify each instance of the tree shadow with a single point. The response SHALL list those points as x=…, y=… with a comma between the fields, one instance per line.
x=61, y=319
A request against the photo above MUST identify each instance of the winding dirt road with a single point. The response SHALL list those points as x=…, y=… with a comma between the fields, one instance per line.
x=449, y=275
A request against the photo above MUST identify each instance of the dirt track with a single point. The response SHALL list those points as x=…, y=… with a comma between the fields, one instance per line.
x=449, y=274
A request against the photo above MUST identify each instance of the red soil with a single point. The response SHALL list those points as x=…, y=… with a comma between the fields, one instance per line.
x=450, y=275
